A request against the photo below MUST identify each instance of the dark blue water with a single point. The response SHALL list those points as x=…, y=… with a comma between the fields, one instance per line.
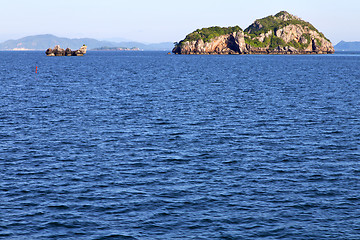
x=150, y=146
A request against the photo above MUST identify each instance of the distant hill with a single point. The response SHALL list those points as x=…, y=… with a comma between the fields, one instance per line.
x=43, y=42
x=347, y=46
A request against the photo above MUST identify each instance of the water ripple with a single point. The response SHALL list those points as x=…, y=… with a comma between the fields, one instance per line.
x=150, y=146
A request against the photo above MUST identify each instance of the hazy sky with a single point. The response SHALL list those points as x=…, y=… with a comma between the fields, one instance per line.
x=165, y=20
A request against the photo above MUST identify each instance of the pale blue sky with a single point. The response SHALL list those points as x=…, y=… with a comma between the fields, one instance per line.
x=166, y=20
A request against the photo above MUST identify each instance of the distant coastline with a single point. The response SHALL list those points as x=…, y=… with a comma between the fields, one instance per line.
x=22, y=49
x=116, y=49
x=347, y=46
x=42, y=42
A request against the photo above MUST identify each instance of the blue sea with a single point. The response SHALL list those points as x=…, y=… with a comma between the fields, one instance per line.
x=145, y=145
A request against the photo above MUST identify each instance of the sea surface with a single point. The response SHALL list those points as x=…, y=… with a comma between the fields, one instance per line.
x=145, y=145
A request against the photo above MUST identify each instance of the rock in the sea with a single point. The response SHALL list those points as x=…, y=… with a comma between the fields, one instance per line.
x=49, y=52
x=57, y=51
x=80, y=52
x=280, y=34
x=68, y=52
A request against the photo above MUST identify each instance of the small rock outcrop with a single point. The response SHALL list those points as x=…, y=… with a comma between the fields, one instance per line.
x=280, y=34
x=58, y=51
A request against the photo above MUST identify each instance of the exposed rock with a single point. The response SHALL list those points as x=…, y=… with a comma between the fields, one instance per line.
x=280, y=34
x=57, y=51
x=49, y=52
x=68, y=52
x=285, y=16
x=303, y=40
x=81, y=51
x=237, y=42
x=290, y=32
x=233, y=43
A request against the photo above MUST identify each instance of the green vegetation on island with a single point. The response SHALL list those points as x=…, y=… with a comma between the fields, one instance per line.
x=206, y=34
x=273, y=41
x=280, y=20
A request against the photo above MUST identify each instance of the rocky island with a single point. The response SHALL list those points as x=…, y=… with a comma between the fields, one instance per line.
x=58, y=51
x=283, y=33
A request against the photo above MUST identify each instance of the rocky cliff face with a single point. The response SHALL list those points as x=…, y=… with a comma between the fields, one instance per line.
x=233, y=43
x=280, y=34
x=58, y=51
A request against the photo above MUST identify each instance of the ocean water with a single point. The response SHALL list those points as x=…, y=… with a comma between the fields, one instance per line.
x=145, y=145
